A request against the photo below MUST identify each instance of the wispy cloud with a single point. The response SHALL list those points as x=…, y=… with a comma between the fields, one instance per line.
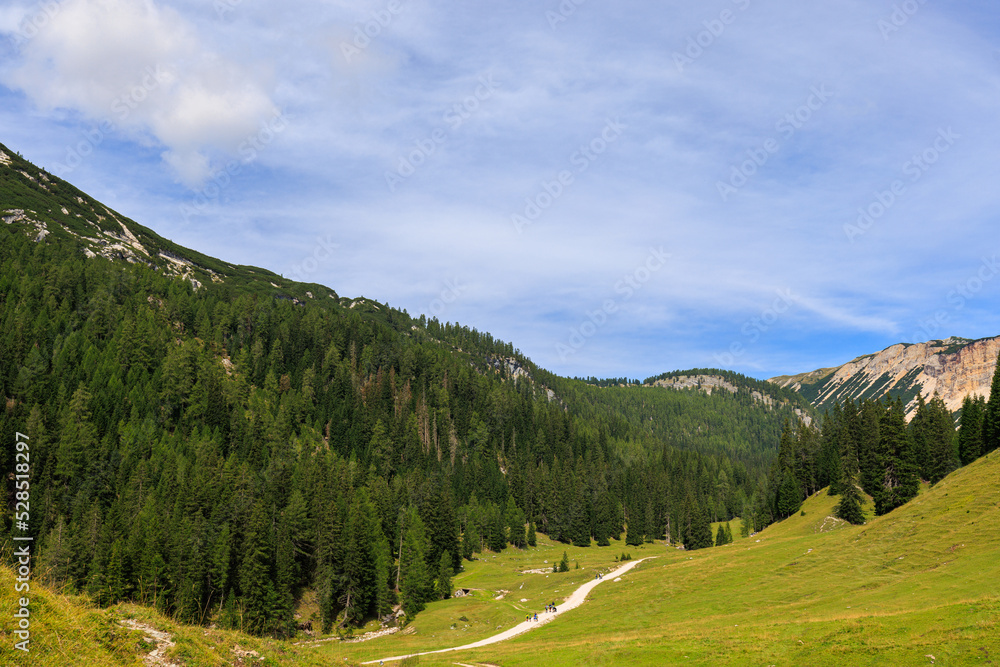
x=363, y=87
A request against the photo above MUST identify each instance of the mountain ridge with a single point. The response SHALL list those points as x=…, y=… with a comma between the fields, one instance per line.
x=953, y=368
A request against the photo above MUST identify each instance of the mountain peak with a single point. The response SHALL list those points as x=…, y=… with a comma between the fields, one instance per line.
x=953, y=368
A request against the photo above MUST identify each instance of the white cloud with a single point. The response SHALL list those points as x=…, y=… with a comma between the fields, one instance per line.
x=143, y=68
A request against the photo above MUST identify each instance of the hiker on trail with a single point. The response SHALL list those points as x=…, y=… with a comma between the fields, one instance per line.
x=536, y=616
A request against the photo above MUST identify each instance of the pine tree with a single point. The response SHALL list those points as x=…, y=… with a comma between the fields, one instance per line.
x=940, y=429
x=789, y=495
x=899, y=481
x=498, y=530
x=77, y=437
x=849, y=506
x=362, y=534
x=720, y=536
x=470, y=540
x=256, y=580
x=514, y=518
x=384, y=598
x=415, y=583
x=919, y=437
x=635, y=530
x=699, y=534
x=531, y=539
x=970, y=433
x=564, y=563
x=444, y=575
x=991, y=416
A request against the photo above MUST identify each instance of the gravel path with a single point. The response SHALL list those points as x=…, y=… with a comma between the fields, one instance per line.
x=572, y=602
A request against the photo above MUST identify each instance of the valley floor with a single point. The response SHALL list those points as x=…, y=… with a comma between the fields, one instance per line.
x=919, y=586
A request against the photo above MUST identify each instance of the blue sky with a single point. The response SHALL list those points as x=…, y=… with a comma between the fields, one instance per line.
x=619, y=189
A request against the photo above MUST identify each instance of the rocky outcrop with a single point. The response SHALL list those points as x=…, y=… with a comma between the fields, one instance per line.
x=953, y=368
x=710, y=383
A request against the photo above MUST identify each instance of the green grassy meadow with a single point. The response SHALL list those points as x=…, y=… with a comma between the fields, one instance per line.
x=922, y=581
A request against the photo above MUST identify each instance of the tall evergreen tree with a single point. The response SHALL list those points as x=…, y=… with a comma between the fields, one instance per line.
x=416, y=584
x=899, y=481
x=256, y=580
x=444, y=574
x=991, y=417
x=940, y=438
x=720, y=536
x=970, y=432
x=849, y=507
x=789, y=494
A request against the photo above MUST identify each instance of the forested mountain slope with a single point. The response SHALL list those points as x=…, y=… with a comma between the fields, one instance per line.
x=215, y=441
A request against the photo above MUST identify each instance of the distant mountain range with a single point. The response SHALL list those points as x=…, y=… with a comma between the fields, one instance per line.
x=953, y=368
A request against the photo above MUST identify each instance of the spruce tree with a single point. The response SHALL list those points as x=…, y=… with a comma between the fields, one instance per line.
x=470, y=540
x=531, y=539
x=77, y=437
x=849, y=506
x=940, y=428
x=415, y=583
x=699, y=529
x=635, y=530
x=362, y=537
x=789, y=495
x=970, y=433
x=514, y=518
x=564, y=563
x=444, y=575
x=256, y=578
x=991, y=416
x=498, y=530
x=920, y=438
x=899, y=481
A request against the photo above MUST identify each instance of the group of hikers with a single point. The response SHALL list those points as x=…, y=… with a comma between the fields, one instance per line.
x=534, y=617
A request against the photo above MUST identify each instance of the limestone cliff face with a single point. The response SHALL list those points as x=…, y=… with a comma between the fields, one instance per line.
x=709, y=383
x=954, y=368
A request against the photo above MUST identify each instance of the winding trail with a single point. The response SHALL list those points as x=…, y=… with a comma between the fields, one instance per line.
x=576, y=599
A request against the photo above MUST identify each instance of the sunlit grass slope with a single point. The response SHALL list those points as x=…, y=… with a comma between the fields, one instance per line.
x=922, y=581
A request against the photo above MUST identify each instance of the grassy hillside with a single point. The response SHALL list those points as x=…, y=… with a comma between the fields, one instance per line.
x=921, y=581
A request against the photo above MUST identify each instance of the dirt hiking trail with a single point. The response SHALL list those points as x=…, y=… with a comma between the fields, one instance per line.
x=576, y=599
